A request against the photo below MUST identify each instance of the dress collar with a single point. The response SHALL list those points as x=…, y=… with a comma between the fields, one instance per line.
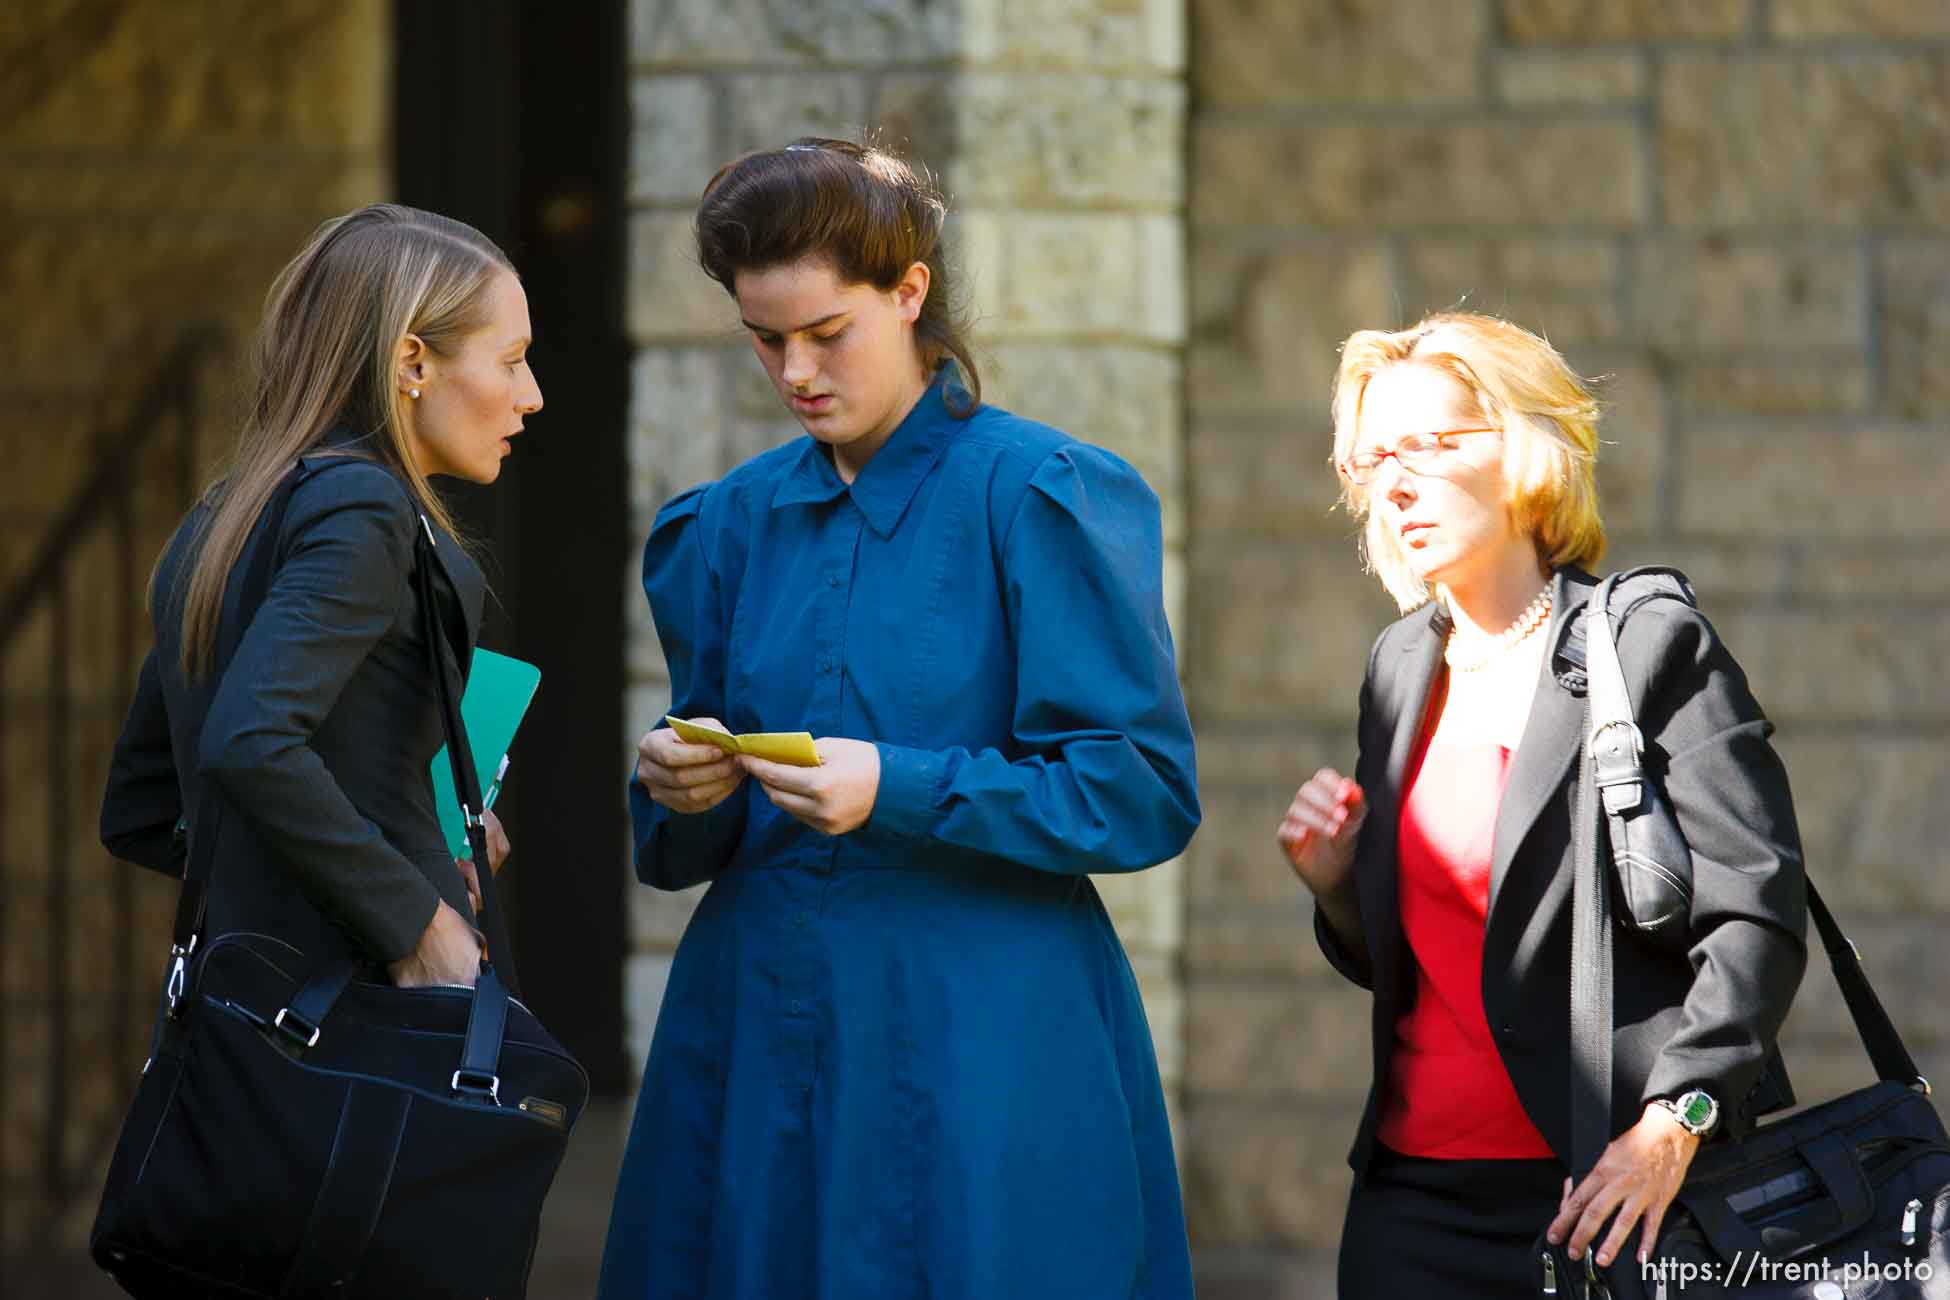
x=886, y=484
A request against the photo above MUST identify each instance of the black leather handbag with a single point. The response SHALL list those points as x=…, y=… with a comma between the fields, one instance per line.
x=1843, y=1200
x=298, y=1132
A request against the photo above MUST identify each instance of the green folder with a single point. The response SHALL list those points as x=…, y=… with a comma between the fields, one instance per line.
x=498, y=692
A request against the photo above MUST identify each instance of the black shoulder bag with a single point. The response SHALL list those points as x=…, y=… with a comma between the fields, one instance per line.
x=300, y=1133
x=1847, y=1199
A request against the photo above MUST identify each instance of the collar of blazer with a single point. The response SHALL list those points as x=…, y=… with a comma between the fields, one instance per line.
x=1551, y=738
x=462, y=575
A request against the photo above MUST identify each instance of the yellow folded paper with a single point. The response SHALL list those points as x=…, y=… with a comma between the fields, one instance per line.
x=793, y=747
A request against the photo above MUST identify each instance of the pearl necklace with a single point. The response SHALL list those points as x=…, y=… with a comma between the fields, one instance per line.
x=1535, y=615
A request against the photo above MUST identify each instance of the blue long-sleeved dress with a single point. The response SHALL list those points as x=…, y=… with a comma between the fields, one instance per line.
x=911, y=1060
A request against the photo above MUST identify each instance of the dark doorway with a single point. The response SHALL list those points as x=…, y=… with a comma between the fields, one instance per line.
x=513, y=117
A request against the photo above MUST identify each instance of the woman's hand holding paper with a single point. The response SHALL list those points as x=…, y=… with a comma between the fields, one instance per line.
x=833, y=798
x=683, y=777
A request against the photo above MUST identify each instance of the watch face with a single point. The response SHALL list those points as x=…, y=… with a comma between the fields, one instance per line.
x=1696, y=1109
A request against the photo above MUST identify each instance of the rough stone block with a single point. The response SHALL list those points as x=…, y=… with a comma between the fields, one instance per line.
x=1110, y=34
x=1578, y=172
x=673, y=140
x=1563, y=288
x=658, y=918
x=1050, y=277
x=917, y=116
x=1123, y=398
x=1147, y=907
x=1888, y=20
x=1906, y=959
x=771, y=110
x=1799, y=140
x=1267, y=1175
x=677, y=420
x=1267, y=325
x=1749, y=293
x=312, y=74
x=1262, y=478
x=1271, y=940
x=1284, y=629
x=1914, y=329
x=1242, y=1273
x=1873, y=818
x=1234, y=860
x=1633, y=438
x=680, y=33
x=670, y=299
x=1054, y=140
x=1822, y=384
x=1800, y=483
x=1277, y=1039
x=1623, y=20
x=1531, y=79
x=1334, y=52
x=1839, y=666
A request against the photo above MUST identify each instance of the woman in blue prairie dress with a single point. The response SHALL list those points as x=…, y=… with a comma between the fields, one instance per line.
x=901, y=1053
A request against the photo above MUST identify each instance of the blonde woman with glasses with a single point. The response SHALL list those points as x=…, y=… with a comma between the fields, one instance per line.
x=1441, y=871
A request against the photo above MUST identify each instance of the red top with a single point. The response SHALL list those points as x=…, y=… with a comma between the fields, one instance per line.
x=1448, y=1095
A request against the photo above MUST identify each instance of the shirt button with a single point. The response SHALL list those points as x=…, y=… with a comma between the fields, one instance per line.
x=804, y=918
x=793, y=1006
x=832, y=579
x=826, y=665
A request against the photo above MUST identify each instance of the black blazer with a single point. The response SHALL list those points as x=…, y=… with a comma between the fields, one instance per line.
x=1707, y=1017
x=321, y=732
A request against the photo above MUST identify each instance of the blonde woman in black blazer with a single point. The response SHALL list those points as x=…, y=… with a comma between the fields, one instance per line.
x=1442, y=870
x=393, y=349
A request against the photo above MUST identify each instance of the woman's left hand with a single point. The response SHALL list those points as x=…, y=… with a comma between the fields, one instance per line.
x=498, y=850
x=1638, y=1175
x=833, y=798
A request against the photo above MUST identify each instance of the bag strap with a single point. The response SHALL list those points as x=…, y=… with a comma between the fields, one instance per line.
x=460, y=756
x=324, y=984
x=1610, y=771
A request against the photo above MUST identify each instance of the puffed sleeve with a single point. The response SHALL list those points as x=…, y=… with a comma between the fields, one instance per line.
x=1729, y=791
x=1103, y=778
x=348, y=559
x=677, y=850
x=143, y=802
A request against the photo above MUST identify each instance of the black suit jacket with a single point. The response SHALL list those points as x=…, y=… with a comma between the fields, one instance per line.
x=319, y=734
x=1704, y=1017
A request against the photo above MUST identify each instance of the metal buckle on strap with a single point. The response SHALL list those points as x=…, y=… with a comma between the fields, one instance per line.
x=478, y=1083
x=471, y=819
x=1632, y=733
x=1922, y=1085
x=296, y=1030
x=178, y=974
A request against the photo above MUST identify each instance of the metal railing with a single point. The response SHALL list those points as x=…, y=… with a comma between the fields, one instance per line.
x=82, y=938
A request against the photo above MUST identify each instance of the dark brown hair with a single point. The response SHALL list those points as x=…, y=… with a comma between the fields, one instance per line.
x=857, y=207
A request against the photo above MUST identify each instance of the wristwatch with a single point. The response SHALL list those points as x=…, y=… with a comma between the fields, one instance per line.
x=1695, y=1110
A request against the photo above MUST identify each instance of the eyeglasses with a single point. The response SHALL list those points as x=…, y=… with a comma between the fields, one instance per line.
x=1413, y=450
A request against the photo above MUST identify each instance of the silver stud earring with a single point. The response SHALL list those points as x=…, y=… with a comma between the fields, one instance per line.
x=413, y=393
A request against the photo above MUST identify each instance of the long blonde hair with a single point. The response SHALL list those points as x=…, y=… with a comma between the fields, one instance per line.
x=1519, y=384
x=324, y=356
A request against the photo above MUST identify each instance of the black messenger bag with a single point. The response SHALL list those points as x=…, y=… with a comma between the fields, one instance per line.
x=1841, y=1201
x=298, y=1132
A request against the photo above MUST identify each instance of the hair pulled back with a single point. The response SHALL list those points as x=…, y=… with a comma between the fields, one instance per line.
x=325, y=355
x=860, y=209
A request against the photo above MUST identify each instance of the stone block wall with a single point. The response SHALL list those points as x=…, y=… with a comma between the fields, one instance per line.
x=1056, y=127
x=1738, y=211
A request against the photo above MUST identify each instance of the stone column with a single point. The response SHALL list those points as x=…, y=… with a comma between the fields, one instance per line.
x=1057, y=131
